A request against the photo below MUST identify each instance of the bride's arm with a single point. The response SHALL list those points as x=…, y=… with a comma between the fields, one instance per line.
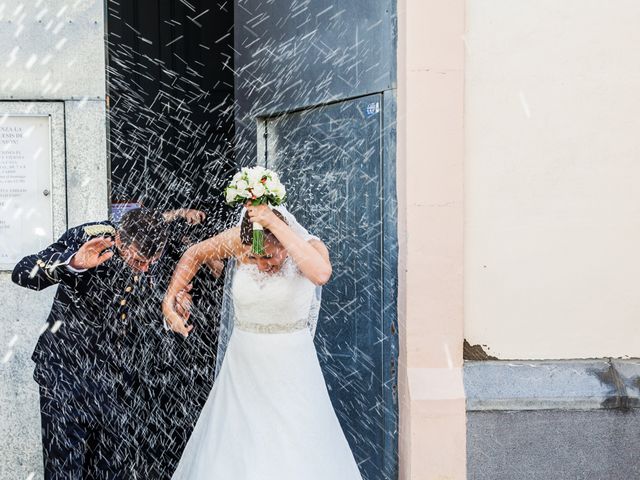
x=311, y=257
x=222, y=246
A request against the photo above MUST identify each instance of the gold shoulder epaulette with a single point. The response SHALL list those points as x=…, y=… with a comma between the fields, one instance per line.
x=96, y=230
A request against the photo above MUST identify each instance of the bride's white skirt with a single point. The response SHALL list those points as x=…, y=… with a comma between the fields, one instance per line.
x=268, y=417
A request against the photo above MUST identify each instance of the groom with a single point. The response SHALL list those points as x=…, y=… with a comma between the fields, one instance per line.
x=84, y=363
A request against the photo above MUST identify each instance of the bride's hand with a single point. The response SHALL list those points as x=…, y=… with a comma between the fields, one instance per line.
x=175, y=321
x=184, y=302
x=178, y=324
x=261, y=214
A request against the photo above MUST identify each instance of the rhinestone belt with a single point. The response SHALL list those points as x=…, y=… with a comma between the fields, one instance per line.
x=271, y=327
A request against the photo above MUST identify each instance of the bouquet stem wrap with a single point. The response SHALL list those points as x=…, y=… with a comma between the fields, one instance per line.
x=257, y=239
x=257, y=246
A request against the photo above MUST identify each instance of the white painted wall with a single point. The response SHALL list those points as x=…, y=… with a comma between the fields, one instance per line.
x=552, y=120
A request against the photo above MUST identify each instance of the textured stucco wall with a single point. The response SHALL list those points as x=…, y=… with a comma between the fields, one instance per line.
x=51, y=61
x=551, y=174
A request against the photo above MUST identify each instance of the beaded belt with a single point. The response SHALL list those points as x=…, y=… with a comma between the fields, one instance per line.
x=271, y=327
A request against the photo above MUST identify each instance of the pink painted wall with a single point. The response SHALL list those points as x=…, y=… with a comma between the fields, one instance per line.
x=430, y=194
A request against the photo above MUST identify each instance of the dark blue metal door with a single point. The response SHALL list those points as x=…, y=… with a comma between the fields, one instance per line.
x=331, y=160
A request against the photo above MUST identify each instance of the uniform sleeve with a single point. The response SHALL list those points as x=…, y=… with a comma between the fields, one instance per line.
x=49, y=267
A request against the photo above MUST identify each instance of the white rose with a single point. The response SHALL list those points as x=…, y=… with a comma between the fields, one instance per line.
x=232, y=193
x=258, y=190
x=275, y=188
x=255, y=175
x=270, y=185
x=236, y=177
x=241, y=185
x=279, y=191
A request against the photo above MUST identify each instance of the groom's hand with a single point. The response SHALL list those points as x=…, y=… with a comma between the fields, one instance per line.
x=193, y=217
x=92, y=253
x=190, y=215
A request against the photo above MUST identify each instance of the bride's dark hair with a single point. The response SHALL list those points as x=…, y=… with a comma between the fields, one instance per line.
x=246, y=229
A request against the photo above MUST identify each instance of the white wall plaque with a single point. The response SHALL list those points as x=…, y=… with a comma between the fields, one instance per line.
x=26, y=209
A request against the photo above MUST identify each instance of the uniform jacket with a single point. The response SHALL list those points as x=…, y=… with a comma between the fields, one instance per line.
x=93, y=323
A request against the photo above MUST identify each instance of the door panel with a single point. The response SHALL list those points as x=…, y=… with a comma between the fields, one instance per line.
x=330, y=159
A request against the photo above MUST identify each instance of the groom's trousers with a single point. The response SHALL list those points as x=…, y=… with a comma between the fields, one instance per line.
x=82, y=430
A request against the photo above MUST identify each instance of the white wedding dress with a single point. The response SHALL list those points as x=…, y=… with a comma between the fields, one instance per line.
x=269, y=416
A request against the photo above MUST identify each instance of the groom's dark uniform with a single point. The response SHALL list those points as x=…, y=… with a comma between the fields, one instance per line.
x=87, y=358
x=179, y=385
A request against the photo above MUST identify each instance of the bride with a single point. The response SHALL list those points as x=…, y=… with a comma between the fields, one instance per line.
x=268, y=416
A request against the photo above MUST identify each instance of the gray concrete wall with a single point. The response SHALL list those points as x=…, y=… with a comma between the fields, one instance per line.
x=553, y=420
x=553, y=445
x=52, y=61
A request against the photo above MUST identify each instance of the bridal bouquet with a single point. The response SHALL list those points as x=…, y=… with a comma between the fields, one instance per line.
x=260, y=187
